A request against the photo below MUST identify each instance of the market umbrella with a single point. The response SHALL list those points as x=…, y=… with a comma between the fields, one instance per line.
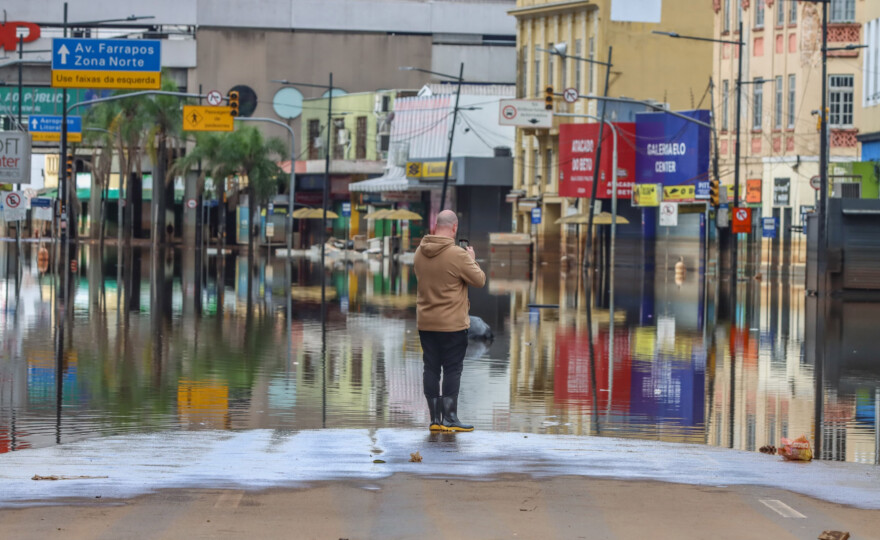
x=379, y=214
x=603, y=218
x=403, y=214
x=318, y=213
x=300, y=213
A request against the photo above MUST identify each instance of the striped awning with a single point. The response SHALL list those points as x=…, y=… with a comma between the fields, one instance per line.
x=393, y=180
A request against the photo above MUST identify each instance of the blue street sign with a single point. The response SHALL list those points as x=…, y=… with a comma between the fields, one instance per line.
x=106, y=63
x=536, y=215
x=768, y=227
x=48, y=128
x=41, y=203
x=346, y=209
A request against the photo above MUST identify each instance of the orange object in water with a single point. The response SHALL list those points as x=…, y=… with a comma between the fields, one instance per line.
x=796, y=450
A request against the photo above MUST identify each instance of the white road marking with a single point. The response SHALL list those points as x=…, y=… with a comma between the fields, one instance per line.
x=782, y=509
x=229, y=500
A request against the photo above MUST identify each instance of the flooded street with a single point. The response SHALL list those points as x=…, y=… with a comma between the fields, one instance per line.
x=172, y=343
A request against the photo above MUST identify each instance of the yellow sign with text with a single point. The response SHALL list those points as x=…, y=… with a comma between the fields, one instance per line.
x=646, y=195
x=680, y=193
x=207, y=118
x=127, y=80
x=54, y=136
x=428, y=170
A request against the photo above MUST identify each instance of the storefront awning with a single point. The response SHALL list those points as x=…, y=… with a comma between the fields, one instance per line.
x=393, y=180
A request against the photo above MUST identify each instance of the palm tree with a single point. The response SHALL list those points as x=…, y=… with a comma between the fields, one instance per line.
x=100, y=139
x=257, y=160
x=245, y=153
x=164, y=142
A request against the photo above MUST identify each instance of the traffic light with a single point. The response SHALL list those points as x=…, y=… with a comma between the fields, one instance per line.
x=714, y=192
x=548, y=98
x=233, y=102
x=70, y=167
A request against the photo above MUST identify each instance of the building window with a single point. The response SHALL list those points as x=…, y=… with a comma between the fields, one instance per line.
x=361, y=138
x=524, y=62
x=578, y=51
x=592, y=57
x=340, y=140
x=523, y=181
x=871, y=69
x=725, y=17
x=739, y=13
x=314, y=138
x=551, y=67
x=725, y=105
x=840, y=100
x=843, y=11
x=759, y=13
x=791, y=100
x=777, y=107
x=536, y=166
x=792, y=12
x=548, y=166
x=758, y=106
x=537, y=72
x=780, y=13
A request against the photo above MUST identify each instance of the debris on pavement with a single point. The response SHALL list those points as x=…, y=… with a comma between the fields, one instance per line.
x=834, y=535
x=768, y=449
x=56, y=477
x=415, y=457
x=796, y=450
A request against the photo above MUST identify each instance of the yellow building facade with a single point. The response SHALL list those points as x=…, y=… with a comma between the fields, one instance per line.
x=645, y=66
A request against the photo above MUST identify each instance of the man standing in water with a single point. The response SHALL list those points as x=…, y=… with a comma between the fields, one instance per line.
x=444, y=272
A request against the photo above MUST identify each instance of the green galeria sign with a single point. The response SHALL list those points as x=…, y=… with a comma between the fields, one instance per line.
x=39, y=100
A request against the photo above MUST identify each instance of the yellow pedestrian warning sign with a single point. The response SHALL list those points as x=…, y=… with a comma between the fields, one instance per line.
x=207, y=118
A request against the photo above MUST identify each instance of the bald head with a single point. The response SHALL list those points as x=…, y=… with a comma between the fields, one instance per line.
x=447, y=224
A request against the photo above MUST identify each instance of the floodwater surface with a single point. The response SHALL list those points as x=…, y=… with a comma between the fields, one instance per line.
x=140, y=342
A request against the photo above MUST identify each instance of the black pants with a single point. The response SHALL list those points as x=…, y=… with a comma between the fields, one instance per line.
x=442, y=350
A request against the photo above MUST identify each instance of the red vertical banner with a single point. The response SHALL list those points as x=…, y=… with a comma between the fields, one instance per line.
x=577, y=160
x=742, y=220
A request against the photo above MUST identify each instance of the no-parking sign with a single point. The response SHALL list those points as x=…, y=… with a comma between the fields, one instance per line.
x=742, y=220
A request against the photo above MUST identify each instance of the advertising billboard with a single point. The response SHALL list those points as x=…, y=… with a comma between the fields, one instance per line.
x=673, y=151
x=577, y=157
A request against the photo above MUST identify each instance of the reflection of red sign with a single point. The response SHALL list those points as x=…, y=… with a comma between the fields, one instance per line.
x=753, y=191
x=577, y=153
x=572, y=384
x=9, y=34
x=742, y=220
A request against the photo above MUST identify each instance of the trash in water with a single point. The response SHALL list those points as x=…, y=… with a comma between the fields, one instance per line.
x=768, y=449
x=415, y=457
x=378, y=461
x=834, y=535
x=56, y=477
x=796, y=450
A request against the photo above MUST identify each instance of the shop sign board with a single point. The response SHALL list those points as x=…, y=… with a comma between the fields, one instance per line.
x=429, y=170
x=15, y=157
x=106, y=63
x=781, y=191
x=753, y=191
x=646, y=194
x=673, y=151
x=577, y=159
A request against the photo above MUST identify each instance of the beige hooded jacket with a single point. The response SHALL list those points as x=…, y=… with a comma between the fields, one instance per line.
x=444, y=271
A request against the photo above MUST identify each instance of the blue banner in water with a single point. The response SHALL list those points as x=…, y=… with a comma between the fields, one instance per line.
x=673, y=151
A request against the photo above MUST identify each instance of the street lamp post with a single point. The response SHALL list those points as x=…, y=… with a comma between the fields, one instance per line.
x=459, y=79
x=736, y=159
x=326, y=191
x=559, y=50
